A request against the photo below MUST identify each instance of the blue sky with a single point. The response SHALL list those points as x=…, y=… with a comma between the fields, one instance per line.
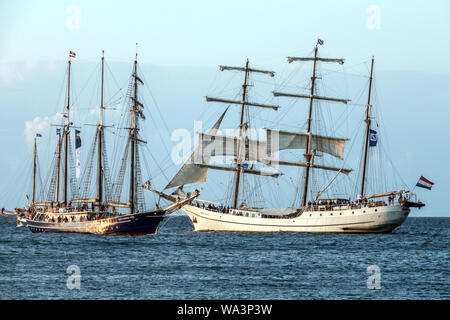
x=409, y=40
x=403, y=35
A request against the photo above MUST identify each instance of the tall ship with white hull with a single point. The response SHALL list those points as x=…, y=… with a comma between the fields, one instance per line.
x=73, y=203
x=368, y=213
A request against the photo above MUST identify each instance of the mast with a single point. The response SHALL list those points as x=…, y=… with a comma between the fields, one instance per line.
x=133, y=112
x=241, y=140
x=66, y=135
x=308, y=154
x=34, y=174
x=367, y=121
x=241, y=124
x=100, y=136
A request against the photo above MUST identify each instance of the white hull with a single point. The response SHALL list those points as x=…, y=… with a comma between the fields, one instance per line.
x=381, y=219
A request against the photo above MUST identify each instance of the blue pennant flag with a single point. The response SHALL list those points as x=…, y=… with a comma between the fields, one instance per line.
x=77, y=139
x=243, y=165
x=373, y=138
x=38, y=135
x=58, y=131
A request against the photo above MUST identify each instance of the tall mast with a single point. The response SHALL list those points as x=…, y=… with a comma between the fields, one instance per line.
x=241, y=144
x=66, y=135
x=34, y=174
x=133, y=112
x=241, y=124
x=367, y=121
x=100, y=136
x=308, y=154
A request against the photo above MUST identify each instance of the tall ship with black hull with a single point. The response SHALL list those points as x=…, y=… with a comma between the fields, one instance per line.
x=104, y=213
x=367, y=213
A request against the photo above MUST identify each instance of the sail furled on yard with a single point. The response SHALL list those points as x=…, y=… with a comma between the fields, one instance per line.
x=252, y=104
x=293, y=140
x=191, y=172
x=244, y=169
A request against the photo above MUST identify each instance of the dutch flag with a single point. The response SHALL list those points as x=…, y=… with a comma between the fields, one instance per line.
x=424, y=183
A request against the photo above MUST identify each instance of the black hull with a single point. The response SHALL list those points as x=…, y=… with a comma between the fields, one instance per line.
x=131, y=224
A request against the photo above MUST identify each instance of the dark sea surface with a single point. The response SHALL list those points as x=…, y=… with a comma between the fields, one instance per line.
x=181, y=264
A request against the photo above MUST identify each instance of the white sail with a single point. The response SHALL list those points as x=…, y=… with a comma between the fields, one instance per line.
x=216, y=145
x=191, y=172
x=282, y=140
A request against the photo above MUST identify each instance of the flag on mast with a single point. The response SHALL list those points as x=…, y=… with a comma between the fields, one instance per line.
x=77, y=139
x=373, y=138
x=78, y=153
x=320, y=41
x=424, y=183
x=72, y=54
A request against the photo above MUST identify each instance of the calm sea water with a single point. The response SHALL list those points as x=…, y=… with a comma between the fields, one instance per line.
x=181, y=264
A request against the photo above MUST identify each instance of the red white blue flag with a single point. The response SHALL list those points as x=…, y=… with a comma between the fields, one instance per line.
x=72, y=54
x=424, y=183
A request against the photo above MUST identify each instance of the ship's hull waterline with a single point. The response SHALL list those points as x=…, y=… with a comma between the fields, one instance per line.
x=143, y=223
x=355, y=220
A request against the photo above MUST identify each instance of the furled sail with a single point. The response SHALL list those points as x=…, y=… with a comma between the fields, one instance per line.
x=191, y=172
x=307, y=96
x=248, y=171
x=282, y=140
x=253, y=104
x=270, y=73
x=275, y=163
x=291, y=59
